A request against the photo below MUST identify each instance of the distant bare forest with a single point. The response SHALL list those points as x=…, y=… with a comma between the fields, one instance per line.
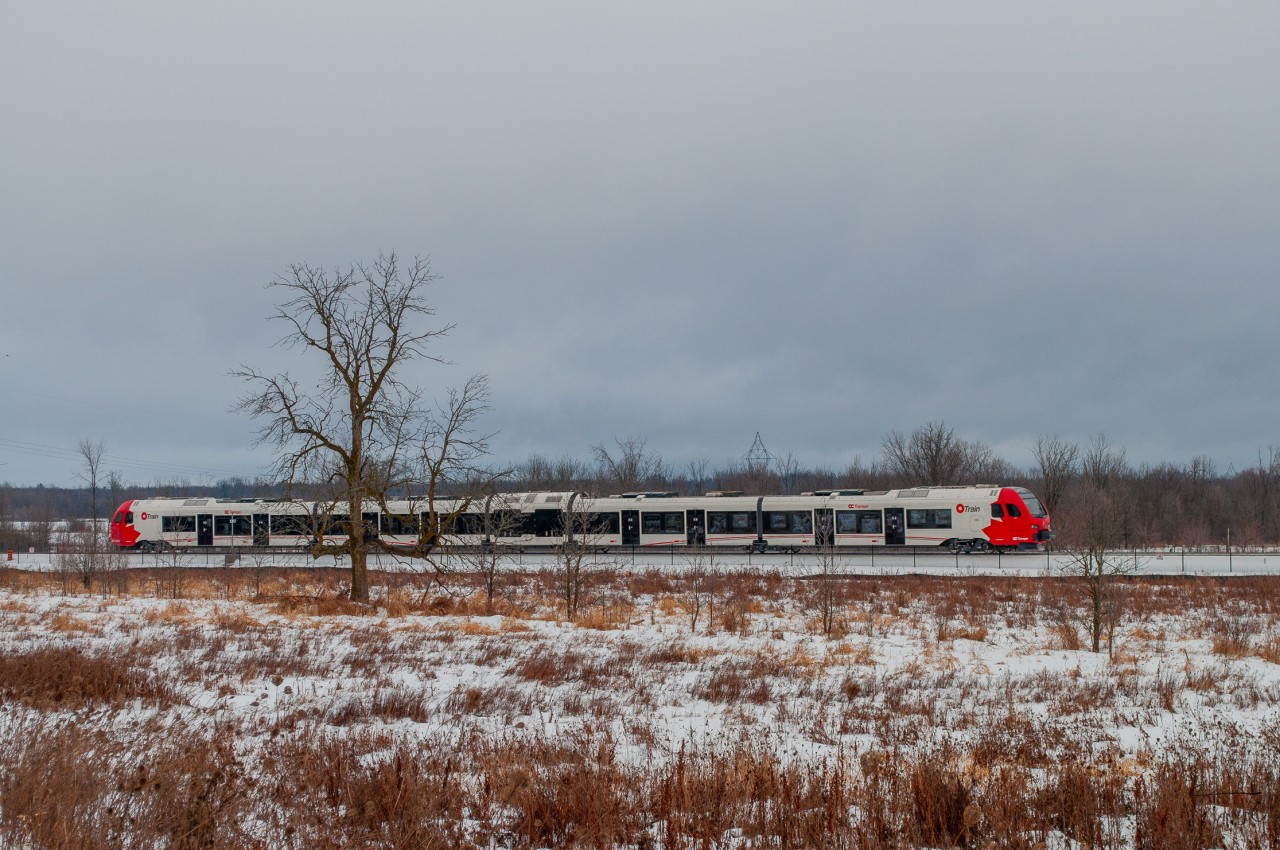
x=1193, y=505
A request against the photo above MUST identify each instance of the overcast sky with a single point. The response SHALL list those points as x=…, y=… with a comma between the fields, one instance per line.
x=687, y=222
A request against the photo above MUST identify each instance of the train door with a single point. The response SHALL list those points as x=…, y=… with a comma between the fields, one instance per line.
x=261, y=536
x=824, y=523
x=630, y=528
x=696, y=523
x=895, y=532
x=547, y=523
x=204, y=529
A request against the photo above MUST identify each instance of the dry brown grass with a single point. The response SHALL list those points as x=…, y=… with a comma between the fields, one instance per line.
x=342, y=772
x=55, y=677
x=63, y=621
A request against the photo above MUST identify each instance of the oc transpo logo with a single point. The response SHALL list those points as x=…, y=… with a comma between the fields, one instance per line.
x=973, y=509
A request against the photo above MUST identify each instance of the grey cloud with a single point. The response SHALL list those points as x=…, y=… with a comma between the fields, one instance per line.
x=687, y=223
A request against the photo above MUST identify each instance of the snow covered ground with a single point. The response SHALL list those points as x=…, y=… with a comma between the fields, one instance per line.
x=722, y=709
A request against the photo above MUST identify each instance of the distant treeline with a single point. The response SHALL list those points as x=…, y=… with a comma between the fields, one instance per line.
x=1193, y=505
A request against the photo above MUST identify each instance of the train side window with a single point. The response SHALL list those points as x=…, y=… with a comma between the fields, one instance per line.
x=788, y=522
x=178, y=524
x=997, y=510
x=285, y=524
x=605, y=523
x=666, y=522
x=744, y=521
x=929, y=518
x=846, y=522
x=118, y=518
x=400, y=526
x=128, y=518
x=717, y=522
x=467, y=524
x=222, y=526
x=334, y=525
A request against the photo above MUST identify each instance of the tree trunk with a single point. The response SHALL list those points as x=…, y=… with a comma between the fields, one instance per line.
x=359, y=574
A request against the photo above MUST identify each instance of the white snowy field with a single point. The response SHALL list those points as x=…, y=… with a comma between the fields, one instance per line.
x=734, y=708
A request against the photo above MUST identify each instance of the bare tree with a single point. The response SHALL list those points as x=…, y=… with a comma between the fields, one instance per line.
x=88, y=547
x=539, y=472
x=91, y=454
x=448, y=452
x=501, y=519
x=933, y=454
x=1099, y=529
x=701, y=582
x=750, y=476
x=1096, y=561
x=827, y=601
x=363, y=430
x=696, y=473
x=633, y=468
x=788, y=473
x=1103, y=463
x=1057, y=462
x=577, y=560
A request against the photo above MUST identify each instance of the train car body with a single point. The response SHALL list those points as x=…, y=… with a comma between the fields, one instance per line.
x=973, y=518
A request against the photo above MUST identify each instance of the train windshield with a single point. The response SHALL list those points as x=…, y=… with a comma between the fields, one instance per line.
x=1033, y=504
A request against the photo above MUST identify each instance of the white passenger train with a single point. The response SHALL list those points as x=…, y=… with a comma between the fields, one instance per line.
x=967, y=518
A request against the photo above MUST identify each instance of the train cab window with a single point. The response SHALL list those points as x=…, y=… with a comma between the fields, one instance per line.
x=1034, y=505
x=1012, y=510
x=118, y=518
x=997, y=510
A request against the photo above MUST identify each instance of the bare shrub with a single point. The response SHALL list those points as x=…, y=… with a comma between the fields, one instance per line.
x=52, y=677
x=1172, y=810
x=68, y=787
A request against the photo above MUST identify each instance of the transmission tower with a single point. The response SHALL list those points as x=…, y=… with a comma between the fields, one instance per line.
x=758, y=457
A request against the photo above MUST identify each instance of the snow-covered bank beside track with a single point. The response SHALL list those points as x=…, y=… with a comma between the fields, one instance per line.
x=675, y=561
